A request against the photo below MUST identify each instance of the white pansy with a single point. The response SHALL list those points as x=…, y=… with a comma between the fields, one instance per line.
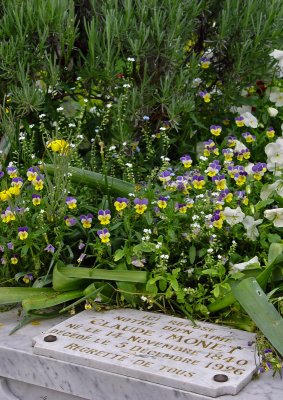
x=251, y=226
x=276, y=96
x=239, y=146
x=242, y=266
x=250, y=120
x=241, y=110
x=267, y=190
x=274, y=152
x=276, y=216
x=233, y=216
x=249, y=168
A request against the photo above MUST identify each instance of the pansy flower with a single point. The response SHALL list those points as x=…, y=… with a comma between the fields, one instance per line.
x=12, y=171
x=228, y=154
x=225, y=195
x=32, y=173
x=28, y=278
x=10, y=246
x=23, y=232
x=210, y=148
x=1, y=174
x=240, y=178
x=217, y=219
x=182, y=208
x=182, y=184
x=240, y=121
x=5, y=195
x=215, y=129
x=70, y=221
x=86, y=220
x=198, y=181
x=186, y=160
x=104, y=217
x=104, y=235
x=17, y=182
x=205, y=96
x=165, y=176
x=36, y=199
x=38, y=183
x=220, y=182
x=189, y=202
x=49, y=248
x=121, y=203
x=258, y=170
x=71, y=202
x=231, y=141
x=8, y=216
x=205, y=62
x=58, y=146
x=241, y=196
x=270, y=133
x=140, y=205
x=213, y=168
x=14, y=259
x=249, y=138
x=162, y=202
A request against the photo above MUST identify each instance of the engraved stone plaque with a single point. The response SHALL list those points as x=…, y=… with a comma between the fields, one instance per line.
x=201, y=358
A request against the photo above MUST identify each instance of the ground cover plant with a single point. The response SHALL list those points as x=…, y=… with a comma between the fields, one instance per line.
x=146, y=176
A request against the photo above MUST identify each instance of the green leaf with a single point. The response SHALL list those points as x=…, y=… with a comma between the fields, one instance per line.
x=275, y=250
x=263, y=204
x=50, y=300
x=10, y=295
x=254, y=301
x=119, y=254
x=192, y=254
x=71, y=278
x=146, y=247
x=96, y=180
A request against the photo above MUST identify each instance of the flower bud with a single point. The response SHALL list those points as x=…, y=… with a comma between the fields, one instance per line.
x=272, y=111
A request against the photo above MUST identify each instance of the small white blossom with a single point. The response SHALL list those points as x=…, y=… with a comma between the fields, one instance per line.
x=210, y=251
x=129, y=165
x=72, y=125
x=60, y=109
x=131, y=195
x=41, y=116
x=130, y=59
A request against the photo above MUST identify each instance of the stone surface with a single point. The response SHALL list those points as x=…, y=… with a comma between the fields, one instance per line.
x=32, y=377
x=202, y=358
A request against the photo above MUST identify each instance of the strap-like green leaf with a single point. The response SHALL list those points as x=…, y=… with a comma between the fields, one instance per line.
x=10, y=295
x=254, y=301
x=96, y=180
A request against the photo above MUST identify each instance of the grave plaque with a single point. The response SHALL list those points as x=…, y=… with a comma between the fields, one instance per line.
x=202, y=358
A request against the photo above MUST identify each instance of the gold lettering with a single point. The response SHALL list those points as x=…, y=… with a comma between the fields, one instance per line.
x=143, y=363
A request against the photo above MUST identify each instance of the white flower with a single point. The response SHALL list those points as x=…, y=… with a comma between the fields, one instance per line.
x=272, y=111
x=233, y=216
x=242, y=266
x=241, y=110
x=129, y=165
x=210, y=251
x=251, y=226
x=239, y=146
x=276, y=96
x=60, y=109
x=250, y=120
x=273, y=187
x=131, y=59
x=276, y=216
x=278, y=55
x=249, y=168
x=274, y=152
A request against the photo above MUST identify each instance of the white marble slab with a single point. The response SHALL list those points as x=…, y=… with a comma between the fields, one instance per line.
x=25, y=372
x=156, y=348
